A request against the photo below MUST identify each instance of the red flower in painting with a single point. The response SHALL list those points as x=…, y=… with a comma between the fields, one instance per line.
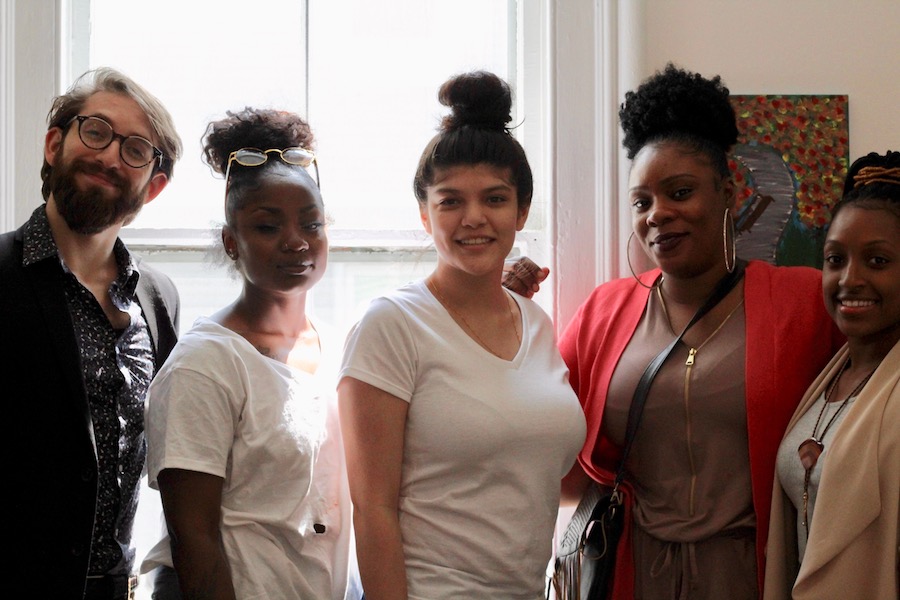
x=810, y=134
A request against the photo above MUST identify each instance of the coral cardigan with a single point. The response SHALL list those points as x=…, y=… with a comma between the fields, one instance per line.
x=854, y=542
x=789, y=337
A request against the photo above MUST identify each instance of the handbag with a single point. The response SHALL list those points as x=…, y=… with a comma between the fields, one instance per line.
x=586, y=555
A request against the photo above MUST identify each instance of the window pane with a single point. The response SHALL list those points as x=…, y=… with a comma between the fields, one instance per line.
x=373, y=80
x=374, y=72
x=351, y=280
x=202, y=59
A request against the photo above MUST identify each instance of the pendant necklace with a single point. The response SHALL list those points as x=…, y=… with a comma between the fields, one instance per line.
x=432, y=285
x=812, y=447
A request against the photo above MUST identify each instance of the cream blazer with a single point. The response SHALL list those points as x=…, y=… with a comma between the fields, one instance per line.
x=853, y=543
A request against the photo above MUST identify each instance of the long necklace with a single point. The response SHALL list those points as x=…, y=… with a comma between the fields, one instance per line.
x=812, y=447
x=433, y=286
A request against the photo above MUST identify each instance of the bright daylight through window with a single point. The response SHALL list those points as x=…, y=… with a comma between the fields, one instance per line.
x=367, y=84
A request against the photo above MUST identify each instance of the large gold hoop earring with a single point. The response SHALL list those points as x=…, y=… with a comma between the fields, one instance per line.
x=659, y=280
x=728, y=223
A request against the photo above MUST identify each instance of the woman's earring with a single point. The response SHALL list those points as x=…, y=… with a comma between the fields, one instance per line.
x=728, y=223
x=231, y=254
x=630, y=268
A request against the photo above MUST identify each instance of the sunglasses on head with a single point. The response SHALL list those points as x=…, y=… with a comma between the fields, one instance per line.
x=254, y=157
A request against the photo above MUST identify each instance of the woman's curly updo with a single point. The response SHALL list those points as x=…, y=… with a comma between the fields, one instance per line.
x=252, y=128
x=475, y=132
x=682, y=107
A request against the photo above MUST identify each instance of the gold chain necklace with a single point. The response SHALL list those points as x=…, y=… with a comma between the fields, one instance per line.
x=812, y=447
x=433, y=286
x=693, y=351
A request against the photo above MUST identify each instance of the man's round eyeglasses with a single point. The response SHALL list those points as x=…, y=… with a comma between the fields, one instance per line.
x=97, y=134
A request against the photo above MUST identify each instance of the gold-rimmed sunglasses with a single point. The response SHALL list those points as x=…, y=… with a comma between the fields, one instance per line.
x=254, y=157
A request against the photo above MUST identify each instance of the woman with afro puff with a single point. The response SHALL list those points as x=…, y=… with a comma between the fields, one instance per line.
x=242, y=428
x=699, y=476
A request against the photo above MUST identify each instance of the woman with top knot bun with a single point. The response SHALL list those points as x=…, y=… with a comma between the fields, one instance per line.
x=699, y=474
x=458, y=418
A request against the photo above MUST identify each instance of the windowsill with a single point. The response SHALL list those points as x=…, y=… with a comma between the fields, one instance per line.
x=341, y=241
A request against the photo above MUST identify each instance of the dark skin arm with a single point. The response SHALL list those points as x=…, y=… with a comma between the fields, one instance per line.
x=523, y=276
x=192, y=504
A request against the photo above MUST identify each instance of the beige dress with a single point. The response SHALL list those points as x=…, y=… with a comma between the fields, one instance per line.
x=694, y=534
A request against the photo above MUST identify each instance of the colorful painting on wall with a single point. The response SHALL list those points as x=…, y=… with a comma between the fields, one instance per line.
x=789, y=165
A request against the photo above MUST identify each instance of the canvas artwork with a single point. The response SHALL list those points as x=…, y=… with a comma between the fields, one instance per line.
x=789, y=166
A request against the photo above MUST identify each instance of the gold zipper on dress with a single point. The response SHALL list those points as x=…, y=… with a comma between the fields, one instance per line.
x=689, y=364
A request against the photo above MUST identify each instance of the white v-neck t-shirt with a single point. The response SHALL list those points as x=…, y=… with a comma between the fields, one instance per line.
x=487, y=442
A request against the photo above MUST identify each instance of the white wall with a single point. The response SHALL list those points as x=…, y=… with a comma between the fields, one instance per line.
x=791, y=47
x=606, y=47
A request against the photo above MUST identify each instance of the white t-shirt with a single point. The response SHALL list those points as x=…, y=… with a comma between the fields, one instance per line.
x=218, y=406
x=486, y=444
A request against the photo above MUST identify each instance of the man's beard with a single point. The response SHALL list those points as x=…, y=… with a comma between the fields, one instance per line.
x=92, y=210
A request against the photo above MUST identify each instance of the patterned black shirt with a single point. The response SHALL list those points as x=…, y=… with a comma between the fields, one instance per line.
x=117, y=366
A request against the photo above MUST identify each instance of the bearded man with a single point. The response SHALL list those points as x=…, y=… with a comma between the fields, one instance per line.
x=84, y=326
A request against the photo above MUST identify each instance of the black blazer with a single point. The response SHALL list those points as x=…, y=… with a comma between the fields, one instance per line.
x=48, y=440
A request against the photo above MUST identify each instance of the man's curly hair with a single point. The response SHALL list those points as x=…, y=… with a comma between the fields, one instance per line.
x=680, y=106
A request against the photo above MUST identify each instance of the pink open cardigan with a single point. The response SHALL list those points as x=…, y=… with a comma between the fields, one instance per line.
x=789, y=337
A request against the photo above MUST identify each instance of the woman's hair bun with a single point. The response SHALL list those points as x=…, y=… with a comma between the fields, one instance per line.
x=676, y=102
x=478, y=99
x=873, y=168
x=261, y=128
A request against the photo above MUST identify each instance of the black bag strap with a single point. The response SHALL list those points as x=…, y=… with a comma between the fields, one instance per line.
x=725, y=285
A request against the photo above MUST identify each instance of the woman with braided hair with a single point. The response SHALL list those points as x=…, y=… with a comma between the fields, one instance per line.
x=698, y=479
x=836, y=504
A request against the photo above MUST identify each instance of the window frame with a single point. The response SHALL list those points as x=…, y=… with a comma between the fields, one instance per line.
x=580, y=57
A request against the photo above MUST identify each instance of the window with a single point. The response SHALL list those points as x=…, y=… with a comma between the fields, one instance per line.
x=571, y=62
x=366, y=82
